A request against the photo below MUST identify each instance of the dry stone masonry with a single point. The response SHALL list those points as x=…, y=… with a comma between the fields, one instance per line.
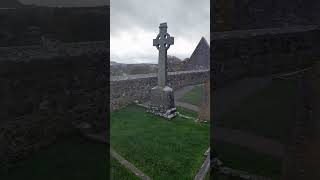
x=126, y=89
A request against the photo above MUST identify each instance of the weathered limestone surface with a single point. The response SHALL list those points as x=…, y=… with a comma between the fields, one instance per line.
x=162, y=97
x=162, y=101
x=163, y=43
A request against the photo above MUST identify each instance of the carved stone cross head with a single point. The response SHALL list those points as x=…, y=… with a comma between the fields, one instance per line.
x=163, y=40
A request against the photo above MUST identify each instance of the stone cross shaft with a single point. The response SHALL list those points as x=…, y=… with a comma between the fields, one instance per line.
x=163, y=42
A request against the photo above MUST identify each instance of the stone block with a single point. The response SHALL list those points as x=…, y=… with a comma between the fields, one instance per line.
x=162, y=102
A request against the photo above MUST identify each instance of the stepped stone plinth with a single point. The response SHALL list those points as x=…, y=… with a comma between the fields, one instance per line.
x=162, y=102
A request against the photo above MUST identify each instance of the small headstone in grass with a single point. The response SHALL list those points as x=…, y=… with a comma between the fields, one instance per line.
x=162, y=96
x=204, y=111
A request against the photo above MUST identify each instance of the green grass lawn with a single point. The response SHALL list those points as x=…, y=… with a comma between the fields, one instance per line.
x=162, y=149
x=267, y=113
x=242, y=158
x=193, y=96
x=118, y=172
x=187, y=112
x=71, y=158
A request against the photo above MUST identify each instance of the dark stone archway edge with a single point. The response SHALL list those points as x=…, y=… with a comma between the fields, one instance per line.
x=257, y=143
x=203, y=171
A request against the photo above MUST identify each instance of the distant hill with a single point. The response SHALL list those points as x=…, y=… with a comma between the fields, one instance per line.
x=119, y=69
x=200, y=59
x=174, y=64
x=113, y=63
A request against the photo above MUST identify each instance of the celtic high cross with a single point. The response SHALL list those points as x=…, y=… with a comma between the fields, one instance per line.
x=163, y=42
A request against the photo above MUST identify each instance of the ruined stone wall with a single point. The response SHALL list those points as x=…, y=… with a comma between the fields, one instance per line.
x=41, y=99
x=125, y=90
x=263, y=51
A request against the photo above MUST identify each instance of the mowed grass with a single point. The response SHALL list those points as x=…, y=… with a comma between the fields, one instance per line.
x=194, y=96
x=187, y=112
x=241, y=158
x=268, y=112
x=70, y=158
x=73, y=158
x=117, y=172
x=162, y=149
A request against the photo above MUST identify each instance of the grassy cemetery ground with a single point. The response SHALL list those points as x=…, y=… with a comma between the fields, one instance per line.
x=194, y=96
x=70, y=158
x=161, y=149
x=267, y=113
x=117, y=171
x=74, y=158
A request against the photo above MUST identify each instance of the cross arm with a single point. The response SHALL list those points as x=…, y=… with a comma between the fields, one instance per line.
x=171, y=40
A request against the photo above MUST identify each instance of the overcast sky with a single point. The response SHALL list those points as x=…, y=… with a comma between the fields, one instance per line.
x=66, y=3
x=134, y=23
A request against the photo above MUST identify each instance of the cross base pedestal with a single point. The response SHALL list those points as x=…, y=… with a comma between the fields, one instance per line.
x=162, y=102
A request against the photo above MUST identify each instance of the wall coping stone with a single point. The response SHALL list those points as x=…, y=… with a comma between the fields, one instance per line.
x=151, y=75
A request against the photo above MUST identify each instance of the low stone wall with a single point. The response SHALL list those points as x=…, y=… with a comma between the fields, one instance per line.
x=263, y=51
x=125, y=90
x=43, y=99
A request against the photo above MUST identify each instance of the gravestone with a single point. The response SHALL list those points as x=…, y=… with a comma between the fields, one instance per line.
x=162, y=96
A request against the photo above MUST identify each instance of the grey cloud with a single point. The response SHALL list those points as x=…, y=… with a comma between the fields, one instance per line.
x=184, y=18
x=188, y=21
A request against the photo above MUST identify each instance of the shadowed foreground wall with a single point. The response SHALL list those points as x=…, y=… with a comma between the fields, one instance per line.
x=257, y=14
x=41, y=100
x=263, y=51
x=125, y=90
